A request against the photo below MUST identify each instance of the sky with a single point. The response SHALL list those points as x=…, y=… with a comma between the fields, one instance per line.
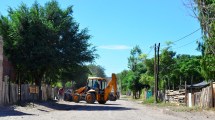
x=116, y=26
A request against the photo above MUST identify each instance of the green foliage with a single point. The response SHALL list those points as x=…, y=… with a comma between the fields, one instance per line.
x=206, y=11
x=68, y=84
x=59, y=85
x=147, y=79
x=174, y=71
x=136, y=69
x=124, y=80
x=44, y=42
x=77, y=74
x=135, y=58
x=149, y=66
x=208, y=69
x=96, y=70
x=150, y=100
x=189, y=69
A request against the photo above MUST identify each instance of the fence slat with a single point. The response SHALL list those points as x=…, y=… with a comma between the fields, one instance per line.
x=48, y=93
x=204, y=98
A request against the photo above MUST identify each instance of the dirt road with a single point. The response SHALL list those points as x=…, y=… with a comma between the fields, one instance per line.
x=118, y=110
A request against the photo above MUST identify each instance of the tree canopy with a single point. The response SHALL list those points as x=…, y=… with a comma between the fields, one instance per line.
x=205, y=12
x=45, y=42
x=96, y=70
x=174, y=71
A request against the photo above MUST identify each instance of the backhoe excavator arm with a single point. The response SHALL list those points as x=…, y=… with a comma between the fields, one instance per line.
x=80, y=90
x=111, y=84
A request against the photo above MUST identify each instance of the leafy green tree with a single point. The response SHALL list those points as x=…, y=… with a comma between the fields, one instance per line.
x=189, y=68
x=205, y=12
x=135, y=63
x=167, y=63
x=78, y=76
x=44, y=41
x=123, y=81
x=96, y=70
x=146, y=79
x=149, y=63
x=134, y=59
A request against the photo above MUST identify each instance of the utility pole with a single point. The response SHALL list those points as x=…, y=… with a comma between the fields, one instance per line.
x=156, y=71
x=158, y=68
x=155, y=74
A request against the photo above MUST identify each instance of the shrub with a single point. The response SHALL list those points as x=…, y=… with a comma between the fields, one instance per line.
x=68, y=85
x=149, y=100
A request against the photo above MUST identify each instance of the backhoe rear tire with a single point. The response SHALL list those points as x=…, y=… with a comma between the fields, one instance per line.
x=102, y=102
x=76, y=98
x=90, y=98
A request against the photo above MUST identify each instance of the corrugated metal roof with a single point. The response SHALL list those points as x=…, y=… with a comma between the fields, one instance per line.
x=199, y=85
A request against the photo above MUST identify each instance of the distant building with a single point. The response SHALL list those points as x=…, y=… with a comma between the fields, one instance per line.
x=6, y=69
x=1, y=70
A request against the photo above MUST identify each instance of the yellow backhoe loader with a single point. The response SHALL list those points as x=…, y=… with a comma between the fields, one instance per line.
x=96, y=89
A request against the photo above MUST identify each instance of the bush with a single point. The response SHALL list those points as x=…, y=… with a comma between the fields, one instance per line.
x=149, y=100
x=68, y=85
x=59, y=85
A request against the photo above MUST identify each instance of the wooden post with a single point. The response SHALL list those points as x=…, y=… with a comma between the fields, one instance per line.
x=20, y=88
x=212, y=95
x=191, y=84
x=155, y=75
x=185, y=99
x=165, y=90
x=180, y=82
x=158, y=66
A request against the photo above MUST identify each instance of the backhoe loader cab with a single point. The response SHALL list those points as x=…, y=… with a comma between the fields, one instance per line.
x=96, y=83
x=97, y=89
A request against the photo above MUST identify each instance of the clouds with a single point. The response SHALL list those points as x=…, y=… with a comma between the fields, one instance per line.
x=115, y=47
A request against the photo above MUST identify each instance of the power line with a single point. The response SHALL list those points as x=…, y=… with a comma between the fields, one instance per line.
x=179, y=40
x=183, y=37
x=187, y=35
x=187, y=43
x=150, y=50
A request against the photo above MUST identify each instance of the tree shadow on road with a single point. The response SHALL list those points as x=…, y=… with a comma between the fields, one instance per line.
x=111, y=104
x=99, y=108
x=84, y=106
x=10, y=111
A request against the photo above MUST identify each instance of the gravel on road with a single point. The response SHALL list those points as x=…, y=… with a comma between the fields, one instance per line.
x=122, y=109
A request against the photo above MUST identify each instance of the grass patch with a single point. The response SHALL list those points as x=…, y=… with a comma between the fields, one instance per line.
x=167, y=104
x=186, y=109
x=149, y=100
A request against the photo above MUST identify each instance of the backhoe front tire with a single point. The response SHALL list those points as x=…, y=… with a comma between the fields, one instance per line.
x=76, y=98
x=90, y=98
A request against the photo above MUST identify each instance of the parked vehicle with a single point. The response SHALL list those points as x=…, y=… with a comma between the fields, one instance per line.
x=68, y=95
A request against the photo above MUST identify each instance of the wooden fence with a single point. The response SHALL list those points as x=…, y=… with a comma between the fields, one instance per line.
x=11, y=93
x=206, y=97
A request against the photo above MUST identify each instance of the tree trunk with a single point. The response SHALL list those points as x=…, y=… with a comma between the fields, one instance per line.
x=40, y=90
x=135, y=94
x=39, y=83
x=19, y=87
x=139, y=93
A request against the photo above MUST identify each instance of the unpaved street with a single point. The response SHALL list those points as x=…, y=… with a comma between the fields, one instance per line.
x=116, y=110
